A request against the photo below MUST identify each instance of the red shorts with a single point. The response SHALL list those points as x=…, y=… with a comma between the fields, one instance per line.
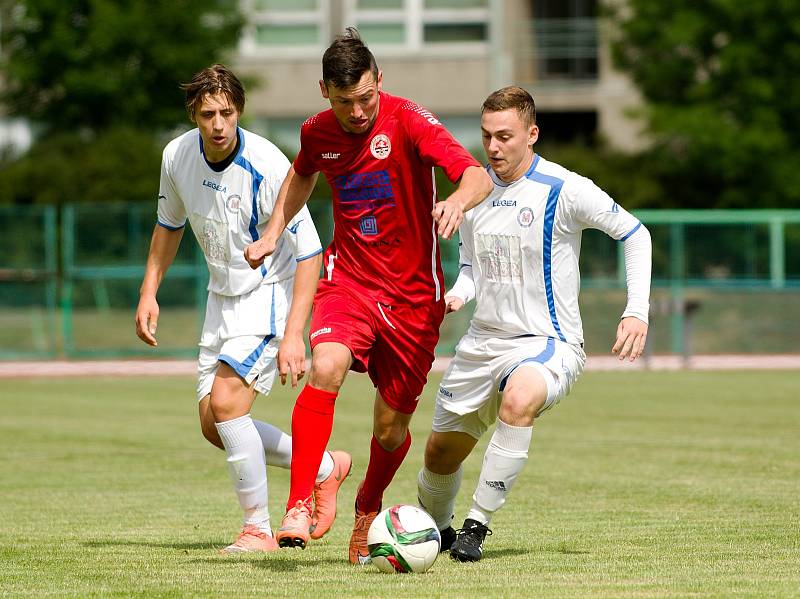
x=394, y=344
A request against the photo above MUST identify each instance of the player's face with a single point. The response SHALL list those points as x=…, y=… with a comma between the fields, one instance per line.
x=355, y=107
x=508, y=143
x=217, y=117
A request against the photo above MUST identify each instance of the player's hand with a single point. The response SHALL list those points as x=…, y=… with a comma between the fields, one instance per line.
x=631, y=337
x=258, y=250
x=452, y=303
x=292, y=359
x=147, y=319
x=448, y=214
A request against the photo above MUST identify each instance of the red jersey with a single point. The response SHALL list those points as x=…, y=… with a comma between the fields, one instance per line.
x=384, y=239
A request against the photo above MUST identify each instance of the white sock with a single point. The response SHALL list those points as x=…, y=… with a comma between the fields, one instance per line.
x=436, y=494
x=247, y=468
x=504, y=459
x=277, y=444
x=278, y=449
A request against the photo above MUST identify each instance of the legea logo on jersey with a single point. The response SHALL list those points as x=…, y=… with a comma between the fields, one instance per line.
x=525, y=217
x=445, y=392
x=233, y=203
x=509, y=203
x=215, y=186
x=380, y=146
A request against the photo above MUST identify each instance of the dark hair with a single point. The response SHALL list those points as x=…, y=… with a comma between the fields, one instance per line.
x=512, y=98
x=347, y=59
x=216, y=79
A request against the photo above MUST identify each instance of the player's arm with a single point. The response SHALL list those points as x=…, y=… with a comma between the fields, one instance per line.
x=292, y=352
x=632, y=329
x=473, y=187
x=163, y=248
x=463, y=289
x=293, y=195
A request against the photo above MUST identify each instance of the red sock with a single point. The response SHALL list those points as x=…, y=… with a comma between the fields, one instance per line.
x=312, y=421
x=380, y=472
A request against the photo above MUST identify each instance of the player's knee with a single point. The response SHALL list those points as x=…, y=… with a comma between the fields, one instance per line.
x=439, y=457
x=390, y=436
x=327, y=373
x=519, y=407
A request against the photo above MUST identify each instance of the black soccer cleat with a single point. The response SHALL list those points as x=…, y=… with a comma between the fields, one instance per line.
x=448, y=538
x=468, y=546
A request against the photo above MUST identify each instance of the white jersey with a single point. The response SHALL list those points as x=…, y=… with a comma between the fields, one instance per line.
x=519, y=253
x=228, y=210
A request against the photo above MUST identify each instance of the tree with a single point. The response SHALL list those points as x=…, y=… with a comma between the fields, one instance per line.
x=723, y=97
x=99, y=80
x=95, y=64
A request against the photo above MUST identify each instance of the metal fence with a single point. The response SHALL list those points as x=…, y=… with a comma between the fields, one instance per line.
x=723, y=282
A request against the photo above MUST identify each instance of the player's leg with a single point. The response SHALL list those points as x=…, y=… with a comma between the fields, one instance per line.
x=312, y=423
x=230, y=403
x=440, y=478
x=465, y=406
x=504, y=459
x=399, y=363
x=341, y=335
x=391, y=440
x=538, y=374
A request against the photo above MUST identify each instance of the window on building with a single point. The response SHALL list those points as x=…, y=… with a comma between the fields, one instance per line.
x=565, y=38
x=420, y=25
x=285, y=27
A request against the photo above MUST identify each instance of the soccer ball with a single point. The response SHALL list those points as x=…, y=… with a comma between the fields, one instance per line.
x=403, y=538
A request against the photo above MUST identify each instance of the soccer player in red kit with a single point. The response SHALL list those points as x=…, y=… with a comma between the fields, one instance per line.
x=380, y=301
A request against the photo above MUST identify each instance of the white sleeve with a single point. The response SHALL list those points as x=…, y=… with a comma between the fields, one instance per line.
x=268, y=193
x=638, y=264
x=464, y=287
x=302, y=234
x=171, y=210
x=593, y=208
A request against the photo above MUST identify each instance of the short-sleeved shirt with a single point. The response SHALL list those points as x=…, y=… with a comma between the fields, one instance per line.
x=228, y=210
x=523, y=244
x=385, y=243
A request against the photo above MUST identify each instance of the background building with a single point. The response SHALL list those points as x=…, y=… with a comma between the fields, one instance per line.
x=447, y=55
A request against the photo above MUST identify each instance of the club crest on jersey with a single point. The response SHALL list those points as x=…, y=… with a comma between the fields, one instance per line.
x=233, y=203
x=525, y=217
x=380, y=146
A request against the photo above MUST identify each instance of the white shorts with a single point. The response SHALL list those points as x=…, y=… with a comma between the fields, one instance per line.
x=469, y=396
x=245, y=332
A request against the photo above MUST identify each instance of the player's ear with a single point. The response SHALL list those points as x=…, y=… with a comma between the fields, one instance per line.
x=324, y=89
x=380, y=80
x=533, y=134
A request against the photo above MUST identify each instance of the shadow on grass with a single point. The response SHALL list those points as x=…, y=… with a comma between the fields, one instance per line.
x=501, y=553
x=181, y=546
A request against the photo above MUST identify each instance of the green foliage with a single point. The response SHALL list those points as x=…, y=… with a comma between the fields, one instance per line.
x=118, y=164
x=720, y=79
x=94, y=64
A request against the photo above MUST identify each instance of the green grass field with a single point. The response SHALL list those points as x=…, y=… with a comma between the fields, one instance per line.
x=639, y=485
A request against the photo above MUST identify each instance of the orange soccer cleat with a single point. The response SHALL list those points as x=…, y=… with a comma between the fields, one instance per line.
x=359, y=553
x=325, y=494
x=251, y=539
x=295, y=525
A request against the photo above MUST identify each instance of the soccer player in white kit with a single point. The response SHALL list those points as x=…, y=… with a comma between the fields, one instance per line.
x=524, y=348
x=224, y=180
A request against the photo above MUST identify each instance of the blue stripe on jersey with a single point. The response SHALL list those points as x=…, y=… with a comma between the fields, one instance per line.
x=170, y=227
x=543, y=357
x=272, y=317
x=301, y=258
x=547, y=241
x=257, y=179
x=533, y=165
x=244, y=368
x=636, y=228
